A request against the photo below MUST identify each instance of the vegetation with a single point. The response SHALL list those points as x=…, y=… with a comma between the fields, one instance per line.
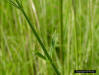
x=48, y=37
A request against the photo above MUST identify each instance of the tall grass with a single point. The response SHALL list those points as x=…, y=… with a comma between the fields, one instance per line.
x=49, y=37
x=76, y=33
x=61, y=37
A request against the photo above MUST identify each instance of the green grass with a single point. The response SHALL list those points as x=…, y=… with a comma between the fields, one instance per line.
x=48, y=37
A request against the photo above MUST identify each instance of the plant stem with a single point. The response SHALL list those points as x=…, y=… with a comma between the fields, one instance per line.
x=40, y=42
x=61, y=33
x=76, y=33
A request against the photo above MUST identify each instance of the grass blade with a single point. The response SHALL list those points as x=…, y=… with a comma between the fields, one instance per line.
x=61, y=38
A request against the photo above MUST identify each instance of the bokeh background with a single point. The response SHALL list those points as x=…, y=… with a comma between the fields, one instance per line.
x=19, y=49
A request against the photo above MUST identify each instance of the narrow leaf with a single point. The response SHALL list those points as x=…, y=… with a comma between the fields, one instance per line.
x=40, y=55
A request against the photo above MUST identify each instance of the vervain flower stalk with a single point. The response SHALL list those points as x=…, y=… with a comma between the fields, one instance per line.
x=18, y=4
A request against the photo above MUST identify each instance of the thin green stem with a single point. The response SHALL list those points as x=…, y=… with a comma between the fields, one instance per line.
x=61, y=33
x=40, y=42
x=37, y=37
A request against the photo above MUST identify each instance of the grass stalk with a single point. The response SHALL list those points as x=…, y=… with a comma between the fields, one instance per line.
x=61, y=38
x=19, y=5
x=76, y=33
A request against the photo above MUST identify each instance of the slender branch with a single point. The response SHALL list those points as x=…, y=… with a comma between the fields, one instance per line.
x=38, y=38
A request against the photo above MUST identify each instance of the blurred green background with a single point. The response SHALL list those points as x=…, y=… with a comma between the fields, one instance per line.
x=18, y=45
